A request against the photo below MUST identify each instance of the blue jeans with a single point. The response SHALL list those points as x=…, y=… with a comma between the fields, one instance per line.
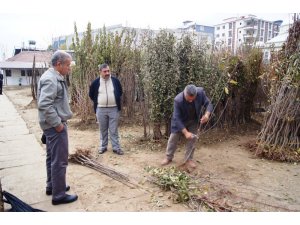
x=108, y=119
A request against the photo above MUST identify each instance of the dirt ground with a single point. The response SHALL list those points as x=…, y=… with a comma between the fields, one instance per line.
x=226, y=171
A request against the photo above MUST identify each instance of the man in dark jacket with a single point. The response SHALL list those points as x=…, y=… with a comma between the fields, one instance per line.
x=185, y=120
x=106, y=92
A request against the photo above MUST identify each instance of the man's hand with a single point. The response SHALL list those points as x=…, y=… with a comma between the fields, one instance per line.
x=187, y=134
x=205, y=118
x=59, y=128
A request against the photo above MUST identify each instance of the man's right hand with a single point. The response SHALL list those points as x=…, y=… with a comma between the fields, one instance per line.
x=59, y=128
x=187, y=134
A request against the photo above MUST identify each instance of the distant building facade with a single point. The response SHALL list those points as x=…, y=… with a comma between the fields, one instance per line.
x=275, y=44
x=237, y=31
x=17, y=70
x=202, y=33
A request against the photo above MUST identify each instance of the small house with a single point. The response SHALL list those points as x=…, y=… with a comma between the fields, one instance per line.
x=18, y=69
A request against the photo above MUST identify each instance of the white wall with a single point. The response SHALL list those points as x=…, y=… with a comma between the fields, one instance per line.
x=15, y=78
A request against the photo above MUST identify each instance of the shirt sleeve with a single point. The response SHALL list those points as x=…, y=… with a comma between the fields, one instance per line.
x=178, y=116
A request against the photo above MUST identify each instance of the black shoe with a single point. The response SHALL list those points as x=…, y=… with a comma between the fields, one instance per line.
x=49, y=191
x=65, y=200
x=102, y=151
x=118, y=152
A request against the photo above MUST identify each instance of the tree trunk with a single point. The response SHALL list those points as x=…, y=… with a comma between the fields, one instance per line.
x=156, y=131
x=33, y=80
x=168, y=128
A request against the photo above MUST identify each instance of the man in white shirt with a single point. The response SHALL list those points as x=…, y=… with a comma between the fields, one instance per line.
x=106, y=92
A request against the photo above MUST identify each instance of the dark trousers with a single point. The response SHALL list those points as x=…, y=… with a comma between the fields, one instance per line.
x=1, y=85
x=174, y=138
x=57, y=161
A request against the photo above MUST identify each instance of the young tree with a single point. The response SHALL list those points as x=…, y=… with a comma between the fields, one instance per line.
x=162, y=79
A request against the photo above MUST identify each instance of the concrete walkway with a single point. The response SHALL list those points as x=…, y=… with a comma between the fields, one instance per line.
x=22, y=162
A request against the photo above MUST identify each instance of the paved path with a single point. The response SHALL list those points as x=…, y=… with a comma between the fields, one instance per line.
x=22, y=162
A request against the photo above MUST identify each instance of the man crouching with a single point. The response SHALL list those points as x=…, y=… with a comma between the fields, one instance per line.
x=185, y=120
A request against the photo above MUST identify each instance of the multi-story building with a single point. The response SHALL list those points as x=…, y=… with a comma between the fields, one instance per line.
x=202, y=33
x=237, y=31
x=67, y=40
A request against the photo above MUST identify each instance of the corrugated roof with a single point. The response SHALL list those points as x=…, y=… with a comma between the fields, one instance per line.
x=27, y=56
x=24, y=60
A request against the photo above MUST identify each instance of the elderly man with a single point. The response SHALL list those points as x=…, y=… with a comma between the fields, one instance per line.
x=54, y=111
x=106, y=92
x=187, y=112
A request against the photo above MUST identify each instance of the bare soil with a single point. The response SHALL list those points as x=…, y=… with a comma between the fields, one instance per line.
x=226, y=171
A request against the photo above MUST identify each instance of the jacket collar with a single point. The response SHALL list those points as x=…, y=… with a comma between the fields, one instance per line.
x=59, y=77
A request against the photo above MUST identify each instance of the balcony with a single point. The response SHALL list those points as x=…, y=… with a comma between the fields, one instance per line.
x=250, y=27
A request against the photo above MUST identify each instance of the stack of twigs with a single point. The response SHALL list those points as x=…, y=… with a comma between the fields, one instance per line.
x=198, y=203
x=84, y=157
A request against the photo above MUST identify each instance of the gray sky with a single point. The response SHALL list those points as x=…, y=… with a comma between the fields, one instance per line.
x=21, y=21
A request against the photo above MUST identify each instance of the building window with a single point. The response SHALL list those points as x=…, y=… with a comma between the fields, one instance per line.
x=8, y=73
x=218, y=28
x=218, y=35
x=29, y=73
x=230, y=33
x=270, y=33
x=230, y=25
x=240, y=23
x=261, y=39
x=224, y=27
x=262, y=33
x=223, y=35
x=229, y=41
x=239, y=40
x=266, y=55
x=262, y=23
x=270, y=26
x=23, y=73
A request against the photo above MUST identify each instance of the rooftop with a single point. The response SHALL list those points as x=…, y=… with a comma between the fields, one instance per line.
x=24, y=60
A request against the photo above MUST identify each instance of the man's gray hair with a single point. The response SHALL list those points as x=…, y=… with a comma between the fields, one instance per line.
x=102, y=66
x=190, y=90
x=60, y=56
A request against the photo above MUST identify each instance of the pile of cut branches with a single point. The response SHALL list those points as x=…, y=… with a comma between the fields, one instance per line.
x=184, y=189
x=279, y=138
x=85, y=158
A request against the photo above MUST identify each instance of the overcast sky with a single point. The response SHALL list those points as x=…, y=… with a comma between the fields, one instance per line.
x=41, y=20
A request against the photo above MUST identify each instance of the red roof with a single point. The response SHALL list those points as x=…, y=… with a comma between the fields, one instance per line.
x=27, y=56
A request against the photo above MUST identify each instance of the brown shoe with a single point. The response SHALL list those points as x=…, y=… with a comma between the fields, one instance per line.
x=191, y=163
x=166, y=161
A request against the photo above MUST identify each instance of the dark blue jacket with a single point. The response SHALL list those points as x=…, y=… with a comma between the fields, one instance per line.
x=94, y=88
x=180, y=113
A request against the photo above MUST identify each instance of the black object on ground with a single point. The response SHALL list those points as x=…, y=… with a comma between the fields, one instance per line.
x=18, y=205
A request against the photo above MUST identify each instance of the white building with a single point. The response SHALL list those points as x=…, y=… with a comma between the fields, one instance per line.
x=276, y=43
x=237, y=31
x=202, y=33
x=17, y=70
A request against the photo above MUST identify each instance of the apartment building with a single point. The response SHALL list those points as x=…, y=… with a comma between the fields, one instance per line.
x=201, y=33
x=250, y=30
